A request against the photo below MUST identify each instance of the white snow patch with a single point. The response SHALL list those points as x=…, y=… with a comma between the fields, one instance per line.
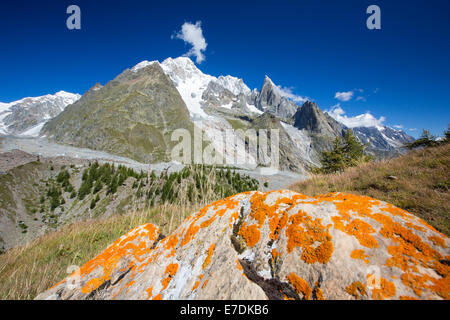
x=60, y=99
x=227, y=106
x=142, y=65
x=233, y=84
x=253, y=108
x=33, y=131
x=190, y=83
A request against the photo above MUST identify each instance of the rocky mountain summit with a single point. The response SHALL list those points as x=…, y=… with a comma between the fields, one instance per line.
x=271, y=100
x=276, y=245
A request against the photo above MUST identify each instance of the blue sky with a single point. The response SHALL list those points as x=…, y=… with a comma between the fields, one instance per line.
x=313, y=48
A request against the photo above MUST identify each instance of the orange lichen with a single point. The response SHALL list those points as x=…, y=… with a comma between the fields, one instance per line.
x=91, y=285
x=251, y=234
x=209, y=255
x=359, y=229
x=318, y=294
x=347, y=204
x=407, y=298
x=204, y=283
x=386, y=289
x=259, y=209
x=356, y=289
x=413, y=226
x=438, y=241
x=135, y=244
x=171, y=270
x=359, y=254
x=277, y=220
x=171, y=243
x=419, y=283
x=409, y=250
x=276, y=224
x=149, y=292
x=275, y=254
x=239, y=266
x=416, y=283
x=190, y=233
x=314, y=239
x=197, y=283
x=158, y=297
x=300, y=285
x=219, y=207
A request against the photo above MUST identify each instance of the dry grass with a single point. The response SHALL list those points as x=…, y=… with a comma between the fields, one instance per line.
x=418, y=182
x=26, y=271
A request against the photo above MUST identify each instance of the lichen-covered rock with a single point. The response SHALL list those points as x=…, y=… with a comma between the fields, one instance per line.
x=276, y=245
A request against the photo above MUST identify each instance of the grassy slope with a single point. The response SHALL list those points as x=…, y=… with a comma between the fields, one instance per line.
x=27, y=271
x=421, y=184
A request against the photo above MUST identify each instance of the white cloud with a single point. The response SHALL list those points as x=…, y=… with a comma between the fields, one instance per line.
x=361, y=98
x=193, y=35
x=412, y=129
x=362, y=120
x=287, y=92
x=398, y=126
x=344, y=96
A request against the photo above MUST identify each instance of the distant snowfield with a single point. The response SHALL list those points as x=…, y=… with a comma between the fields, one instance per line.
x=41, y=108
x=33, y=131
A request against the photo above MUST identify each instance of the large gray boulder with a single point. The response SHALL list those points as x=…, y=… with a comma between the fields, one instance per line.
x=276, y=245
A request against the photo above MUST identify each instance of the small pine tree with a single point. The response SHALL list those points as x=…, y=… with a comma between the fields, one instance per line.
x=345, y=153
x=333, y=161
x=425, y=140
x=353, y=150
x=93, y=203
x=447, y=135
x=98, y=186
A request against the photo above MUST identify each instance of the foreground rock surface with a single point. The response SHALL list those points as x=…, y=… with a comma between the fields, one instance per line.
x=275, y=245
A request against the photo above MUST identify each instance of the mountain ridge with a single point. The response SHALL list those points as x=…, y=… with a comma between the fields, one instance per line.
x=27, y=115
x=220, y=103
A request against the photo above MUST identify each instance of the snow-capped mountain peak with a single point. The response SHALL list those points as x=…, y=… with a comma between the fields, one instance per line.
x=192, y=83
x=182, y=68
x=26, y=116
x=235, y=85
x=189, y=81
x=268, y=81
